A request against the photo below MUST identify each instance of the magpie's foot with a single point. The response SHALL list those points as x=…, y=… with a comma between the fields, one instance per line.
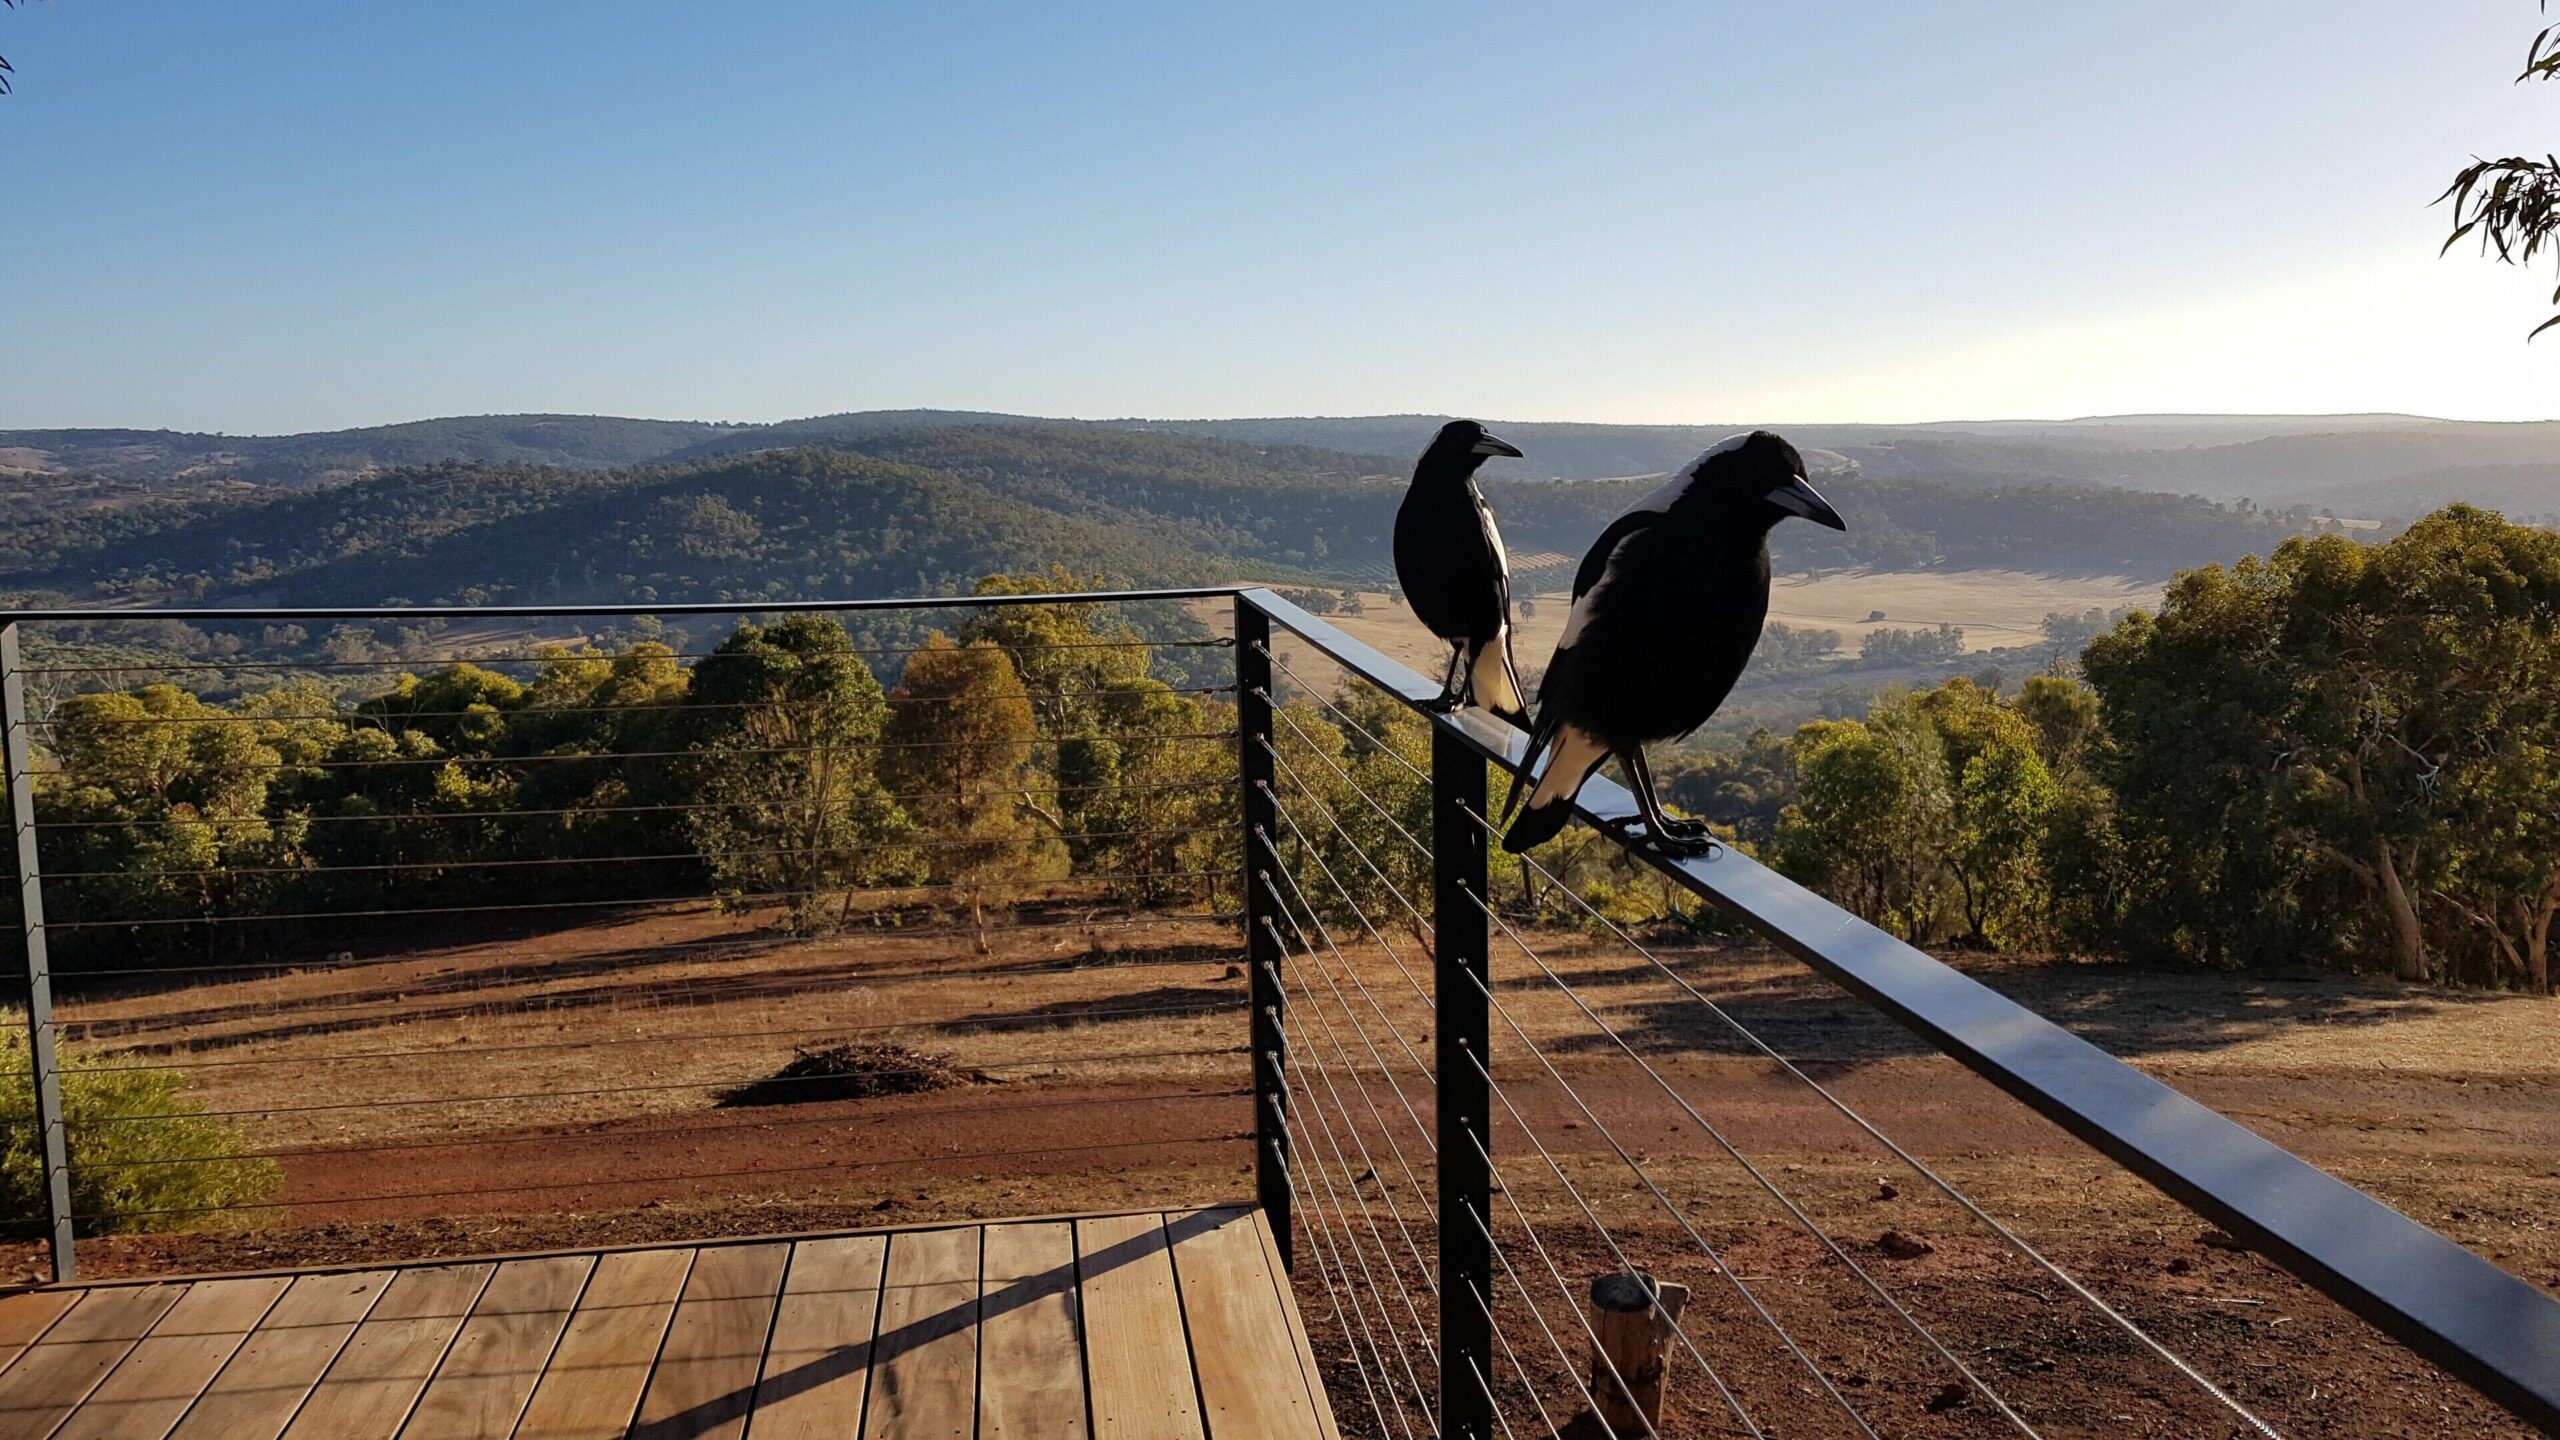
x=1442, y=704
x=1678, y=837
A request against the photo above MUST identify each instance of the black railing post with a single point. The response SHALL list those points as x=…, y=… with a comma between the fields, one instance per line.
x=20, y=759
x=1460, y=1027
x=1261, y=924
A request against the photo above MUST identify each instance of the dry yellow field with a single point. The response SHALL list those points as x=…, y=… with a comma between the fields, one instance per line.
x=1996, y=608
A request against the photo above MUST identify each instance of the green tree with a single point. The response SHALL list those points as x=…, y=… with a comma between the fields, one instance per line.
x=786, y=771
x=958, y=752
x=2370, y=725
x=2001, y=800
x=1164, y=803
x=1856, y=833
x=1063, y=652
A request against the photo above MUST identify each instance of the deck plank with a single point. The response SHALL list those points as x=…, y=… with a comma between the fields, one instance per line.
x=60, y=1370
x=1133, y=1330
x=481, y=1389
x=924, y=1366
x=705, y=1382
x=592, y=1386
x=1030, y=1338
x=154, y=1386
x=257, y=1392
x=25, y=1317
x=1247, y=1362
x=1287, y=1298
x=819, y=1364
x=369, y=1388
x=1156, y=1326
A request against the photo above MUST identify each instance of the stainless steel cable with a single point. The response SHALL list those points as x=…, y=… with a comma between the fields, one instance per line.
x=405, y=1101
x=1948, y=1188
x=1386, y=1257
x=367, y=1057
x=1714, y=1259
x=1413, y=1182
x=756, y=1118
x=1972, y=1380
x=1318, y=751
x=582, y=811
x=1305, y=1204
x=447, y=662
x=1336, y=1233
x=1363, y=731
x=1315, y=855
x=1501, y=1338
x=315, y=872
x=543, y=712
x=956, y=887
x=1419, y=1064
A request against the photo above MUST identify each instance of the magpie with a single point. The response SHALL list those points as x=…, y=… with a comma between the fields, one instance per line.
x=1455, y=573
x=1667, y=607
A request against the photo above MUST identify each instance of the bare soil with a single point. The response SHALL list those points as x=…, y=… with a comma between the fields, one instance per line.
x=598, y=1055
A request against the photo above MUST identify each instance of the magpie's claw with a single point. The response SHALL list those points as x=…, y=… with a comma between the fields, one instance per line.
x=1446, y=702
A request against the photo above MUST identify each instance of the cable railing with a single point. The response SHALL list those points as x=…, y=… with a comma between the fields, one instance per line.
x=1524, y=1052
x=774, y=915
x=383, y=949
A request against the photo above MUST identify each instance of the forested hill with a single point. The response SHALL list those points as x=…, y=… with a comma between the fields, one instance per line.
x=907, y=511
x=2384, y=466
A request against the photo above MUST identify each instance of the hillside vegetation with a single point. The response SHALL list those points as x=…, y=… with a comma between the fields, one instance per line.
x=924, y=510
x=2394, y=466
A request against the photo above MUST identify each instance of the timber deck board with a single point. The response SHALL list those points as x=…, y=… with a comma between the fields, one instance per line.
x=1118, y=1327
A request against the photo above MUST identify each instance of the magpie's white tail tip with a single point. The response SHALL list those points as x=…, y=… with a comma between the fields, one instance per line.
x=1576, y=754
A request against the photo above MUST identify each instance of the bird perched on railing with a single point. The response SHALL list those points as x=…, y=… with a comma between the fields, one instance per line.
x=1455, y=573
x=1667, y=607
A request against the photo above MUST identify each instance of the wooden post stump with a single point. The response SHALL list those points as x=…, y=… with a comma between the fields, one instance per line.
x=1631, y=1319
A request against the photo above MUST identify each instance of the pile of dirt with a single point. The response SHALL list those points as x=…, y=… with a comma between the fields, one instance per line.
x=854, y=1072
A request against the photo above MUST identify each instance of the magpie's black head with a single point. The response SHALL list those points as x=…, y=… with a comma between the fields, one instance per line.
x=1758, y=473
x=1462, y=445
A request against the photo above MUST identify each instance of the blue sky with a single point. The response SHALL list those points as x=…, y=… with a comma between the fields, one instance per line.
x=288, y=216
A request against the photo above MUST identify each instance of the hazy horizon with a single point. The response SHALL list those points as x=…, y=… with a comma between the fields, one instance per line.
x=1604, y=421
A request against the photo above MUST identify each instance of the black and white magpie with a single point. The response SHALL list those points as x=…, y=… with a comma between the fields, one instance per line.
x=1667, y=607
x=1455, y=573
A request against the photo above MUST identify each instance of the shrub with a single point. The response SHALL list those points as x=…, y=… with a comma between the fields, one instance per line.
x=112, y=1189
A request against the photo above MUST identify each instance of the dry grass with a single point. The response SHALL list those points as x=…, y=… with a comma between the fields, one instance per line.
x=1996, y=608
x=639, y=1007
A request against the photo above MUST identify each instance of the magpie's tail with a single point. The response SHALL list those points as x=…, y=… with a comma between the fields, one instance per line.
x=1493, y=677
x=1576, y=755
x=1539, y=735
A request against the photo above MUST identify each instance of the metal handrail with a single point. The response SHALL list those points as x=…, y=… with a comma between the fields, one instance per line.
x=2494, y=1331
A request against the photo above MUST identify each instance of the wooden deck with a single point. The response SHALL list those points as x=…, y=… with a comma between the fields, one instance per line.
x=1169, y=1326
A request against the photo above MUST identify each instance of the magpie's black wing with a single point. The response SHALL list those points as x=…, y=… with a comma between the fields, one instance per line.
x=1595, y=561
x=1495, y=552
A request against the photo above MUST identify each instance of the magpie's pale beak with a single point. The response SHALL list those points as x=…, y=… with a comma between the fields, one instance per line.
x=1488, y=445
x=1798, y=497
